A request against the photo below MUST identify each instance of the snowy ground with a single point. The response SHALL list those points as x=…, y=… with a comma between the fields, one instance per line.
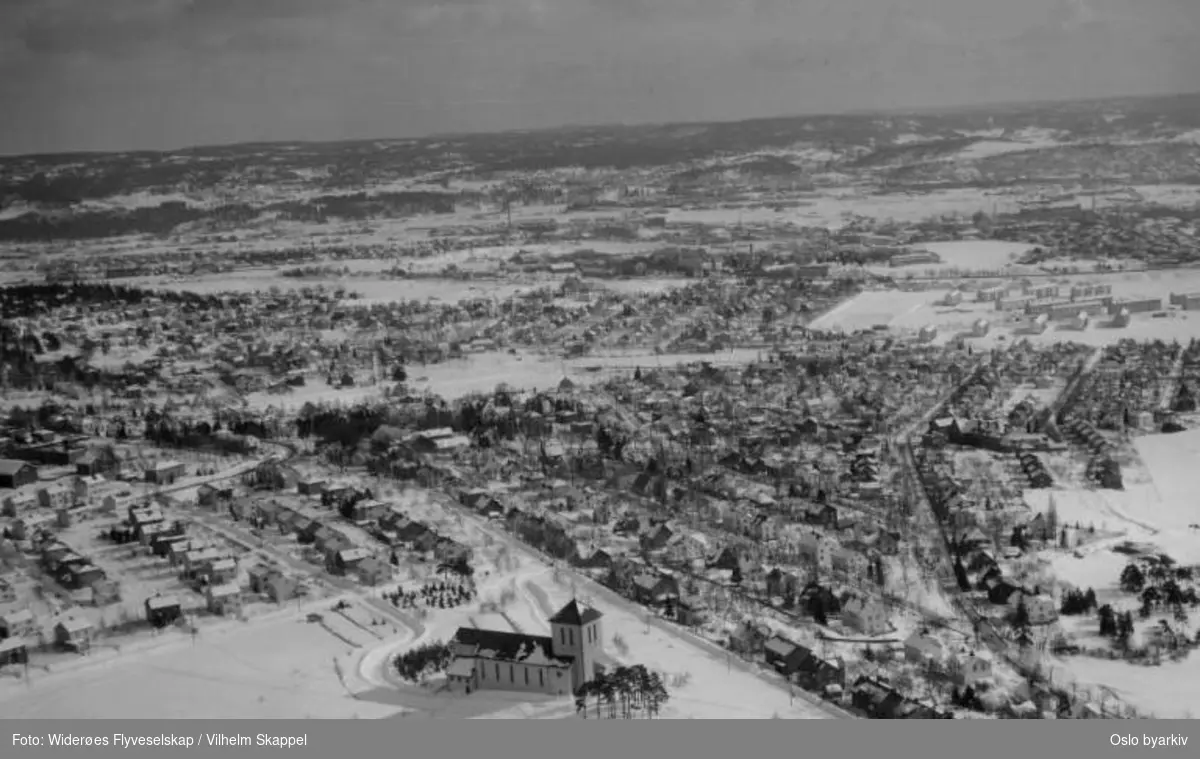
x=482, y=372
x=708, y=683
x=281, y=669
x=976, y=254
x=908, y=311
x=1155, y=512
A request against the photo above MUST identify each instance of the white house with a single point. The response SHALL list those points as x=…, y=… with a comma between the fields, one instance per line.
x=816, y=548
x=975, y=666
x=1042, y=610
x=866, y=616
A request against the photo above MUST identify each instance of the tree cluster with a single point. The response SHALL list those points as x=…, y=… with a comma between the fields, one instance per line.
x=625, y=693
x=1114, y=624
x=441, y=595
x=1075, y=602
x=424, y=660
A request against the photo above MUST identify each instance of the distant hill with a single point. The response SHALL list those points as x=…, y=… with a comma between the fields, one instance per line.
x=982, y=145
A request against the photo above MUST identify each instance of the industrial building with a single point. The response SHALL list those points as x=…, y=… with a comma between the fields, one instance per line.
x=990, y=294
x=914, y=258
x=1057, y=310
x=1042, y=292
x=1019, y=303
x=1186, y=301
x=1137, y=306
x=1083, y=292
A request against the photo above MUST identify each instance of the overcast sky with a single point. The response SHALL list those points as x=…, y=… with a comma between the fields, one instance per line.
x=124, y=74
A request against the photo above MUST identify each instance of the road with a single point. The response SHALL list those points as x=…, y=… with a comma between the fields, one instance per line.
x=928, y=523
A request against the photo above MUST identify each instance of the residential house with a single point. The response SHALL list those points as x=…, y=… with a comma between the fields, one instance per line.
x=224, y=599
x=1042, y=609
x=162, y=611
x=311, y=487
x=817, y=674
x=97, y=462
x=273, y=584
x=13, y=651
x=165, y=472
x=866, y=616
x=782, y=584
x=784, y=655
x=372, y=571
x=57, y=495
x=824, y=515
x=851, y=562
x=18, y=623
x=875, y=699
x=15, y=474
x=212, y=496
x=368, y=510
x=651, y=590
x=19, y=502
x=74, y=634
x=30, y=525
x=345, y=561
x=970, y=669
x=816, y=549
x=749, y=639
x=691, y=611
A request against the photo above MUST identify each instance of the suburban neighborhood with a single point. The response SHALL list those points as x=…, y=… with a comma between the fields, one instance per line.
x=790, y=433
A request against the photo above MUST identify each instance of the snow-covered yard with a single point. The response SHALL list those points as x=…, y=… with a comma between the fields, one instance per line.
x=279, y=669
x=1157, y=513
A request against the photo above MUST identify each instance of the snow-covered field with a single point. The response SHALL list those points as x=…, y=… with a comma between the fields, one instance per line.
x=976, y=254
x=482, y=372
x=909, y=311
x=282, y=669
x=1155, y=512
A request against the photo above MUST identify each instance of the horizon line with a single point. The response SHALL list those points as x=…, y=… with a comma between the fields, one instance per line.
x=926, y=110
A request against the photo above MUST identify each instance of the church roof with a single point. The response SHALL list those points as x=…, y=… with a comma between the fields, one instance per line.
x=571, y=615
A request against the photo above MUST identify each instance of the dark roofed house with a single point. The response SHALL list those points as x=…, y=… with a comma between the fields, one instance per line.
x=13, y=651
x=15, y=474
x=162, y=611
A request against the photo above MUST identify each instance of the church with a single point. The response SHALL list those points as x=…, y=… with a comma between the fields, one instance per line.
x=555, y=665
